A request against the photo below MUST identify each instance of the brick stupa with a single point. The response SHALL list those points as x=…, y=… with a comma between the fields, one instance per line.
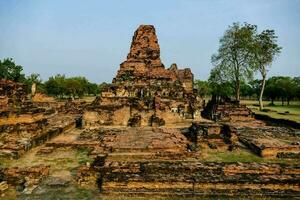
x=144, y=92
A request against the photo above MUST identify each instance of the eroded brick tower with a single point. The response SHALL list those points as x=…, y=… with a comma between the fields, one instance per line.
x=144, y=92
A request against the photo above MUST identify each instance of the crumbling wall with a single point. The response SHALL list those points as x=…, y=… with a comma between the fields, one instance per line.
x=25, y=123
x=12, y=94
x=226, y=110
x=121, y=116
x=270, y=141
x=200, y=178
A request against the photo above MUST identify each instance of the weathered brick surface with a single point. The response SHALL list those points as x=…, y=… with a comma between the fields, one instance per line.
x=270, y=141
x=11, y=94
x=201, y=178
x=27, y=176
x=26, y=123
x=226, y=110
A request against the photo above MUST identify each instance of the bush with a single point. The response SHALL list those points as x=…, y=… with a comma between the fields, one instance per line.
x=266, y=110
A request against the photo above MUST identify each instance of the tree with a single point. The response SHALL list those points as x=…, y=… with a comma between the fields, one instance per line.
x=264, y=51
x=203, y=88
x=296, y=81
x=272, y=90
x=219, y=87
x=34, y=78
x=233, y=56
x=73, y=87
x=79, y=86
x=56, y=85
x=102, y=86
x=286, y=89
x=9, y=70
x=281, y=87
x=246, y=90
x=255, y=85
x=93, y=88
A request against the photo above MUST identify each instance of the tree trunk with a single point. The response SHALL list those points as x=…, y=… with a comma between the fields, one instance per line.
x=263, y=83
x=237, y=92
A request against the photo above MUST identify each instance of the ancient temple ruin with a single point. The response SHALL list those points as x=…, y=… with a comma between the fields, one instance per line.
x=144, y=92
x=143, y=135
x=24, y=123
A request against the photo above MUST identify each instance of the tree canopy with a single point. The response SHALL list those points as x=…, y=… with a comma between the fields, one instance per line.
x=58, y=85
x=10, y=71
x=242, y=52
x=78, y=86
x=231, y=62
x=203, y=88
x=264, y=49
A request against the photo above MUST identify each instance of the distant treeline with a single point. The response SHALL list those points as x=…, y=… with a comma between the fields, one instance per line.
x=282, y=88
x=59, y=85
x=277, y=87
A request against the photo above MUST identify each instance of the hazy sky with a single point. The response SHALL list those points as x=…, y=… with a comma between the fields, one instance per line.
x=92, y=37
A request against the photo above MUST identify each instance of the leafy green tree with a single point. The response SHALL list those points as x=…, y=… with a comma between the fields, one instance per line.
x=246, y=90
x=296, y=81
x=286, y=87
x=102, y=86
x=272, y=90
x=233, y=56
x=93, y=88
x=72, y=87
x=264, y=51
x=203, y=88
x=255, y=85
x=9, y=70
x=56, y=85
x=219, y=86
x=34, y=78
x=281, y=87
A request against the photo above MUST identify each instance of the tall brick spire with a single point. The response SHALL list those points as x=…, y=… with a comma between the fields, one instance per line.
x=145, y=47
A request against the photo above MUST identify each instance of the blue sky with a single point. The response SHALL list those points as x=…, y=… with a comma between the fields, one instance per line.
x=91, y=38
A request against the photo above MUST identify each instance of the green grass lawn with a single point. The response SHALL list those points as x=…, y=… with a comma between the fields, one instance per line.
x=291, y=112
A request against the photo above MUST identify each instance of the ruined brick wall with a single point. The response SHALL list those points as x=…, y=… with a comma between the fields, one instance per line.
x=12, y=94
x=201, y=178
x=25, y=177
x=226, y=110
x=25, y=123
x=270, y=141
x=187, y=79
